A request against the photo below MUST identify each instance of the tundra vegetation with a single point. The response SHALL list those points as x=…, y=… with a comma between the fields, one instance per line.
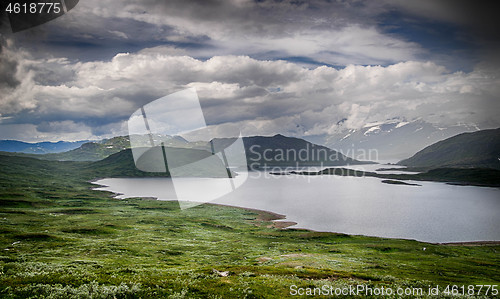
x=61, y=239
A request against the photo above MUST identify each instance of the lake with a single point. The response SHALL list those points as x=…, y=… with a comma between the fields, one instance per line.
x=433, y=212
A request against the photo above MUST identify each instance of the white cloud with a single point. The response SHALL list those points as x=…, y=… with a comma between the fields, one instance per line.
x=259, y=97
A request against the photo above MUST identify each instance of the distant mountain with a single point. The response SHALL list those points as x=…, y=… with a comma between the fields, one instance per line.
x=98, y=150
x=38, y=148
x=91, y=151
x=392, y=139
x=468, y=150
x=279, y=150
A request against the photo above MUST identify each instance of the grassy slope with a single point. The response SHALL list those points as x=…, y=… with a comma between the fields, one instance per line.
x=61, y=238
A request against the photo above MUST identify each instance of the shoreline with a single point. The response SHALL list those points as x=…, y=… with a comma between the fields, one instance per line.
x=268, y=216
x=471, y=243
x=287, y=224
x=264, y=216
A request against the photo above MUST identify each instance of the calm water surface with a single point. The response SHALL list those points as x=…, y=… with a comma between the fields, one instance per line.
x=433, y=212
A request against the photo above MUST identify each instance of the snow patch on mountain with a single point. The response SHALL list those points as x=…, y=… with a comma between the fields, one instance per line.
x=393, y=139
x=372, y=130
x=401, y=124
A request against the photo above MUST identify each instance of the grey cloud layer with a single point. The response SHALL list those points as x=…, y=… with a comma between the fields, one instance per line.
x=336, y=33
x=331, y=32
x=260, y=97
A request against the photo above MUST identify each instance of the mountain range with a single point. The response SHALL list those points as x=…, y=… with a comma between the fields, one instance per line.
x=40, y=147
x=388, y=140
x=392, y=139
x=467, y=158
x=261, y=151
x=479, y=149
x=96, y=150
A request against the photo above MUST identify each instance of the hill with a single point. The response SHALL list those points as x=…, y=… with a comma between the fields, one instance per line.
x=31, y=169
x=468, y=150
x=91, y=151
x=282, y=151
x=119, y=164
x=122, y=164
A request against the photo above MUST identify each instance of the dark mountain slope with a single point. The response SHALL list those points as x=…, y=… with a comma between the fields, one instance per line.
x=279, y=150
x=468, y=150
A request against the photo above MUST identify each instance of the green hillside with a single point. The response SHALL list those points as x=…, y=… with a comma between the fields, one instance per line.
x=119, y=164
x=30, y=169
x=468, y=150
x=62, y=239
x=122, y=164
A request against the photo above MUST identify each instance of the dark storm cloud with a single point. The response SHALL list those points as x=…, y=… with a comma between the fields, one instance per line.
x=7, y=72
x=84, y=37
x=263, y=30
x=267, y=29
x=8, y=68
x=479, y=18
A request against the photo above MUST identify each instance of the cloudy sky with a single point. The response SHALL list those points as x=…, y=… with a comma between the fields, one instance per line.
x=265, y=67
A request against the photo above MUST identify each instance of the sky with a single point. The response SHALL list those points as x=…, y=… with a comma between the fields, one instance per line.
x=262, y=67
